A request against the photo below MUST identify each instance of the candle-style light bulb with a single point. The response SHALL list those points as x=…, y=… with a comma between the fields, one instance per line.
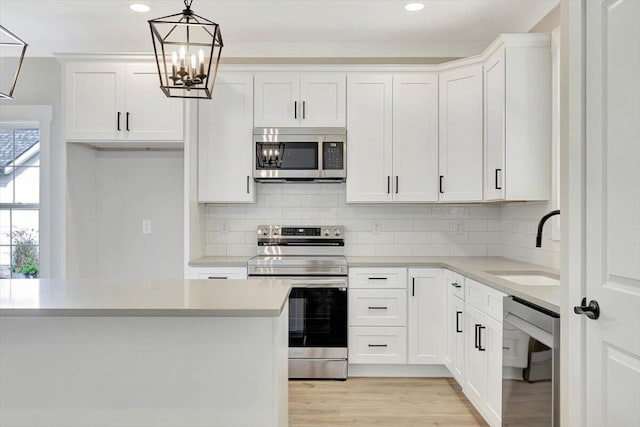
x=201, y=68
x=174, y=63
x=201, y=56
x=182, y=56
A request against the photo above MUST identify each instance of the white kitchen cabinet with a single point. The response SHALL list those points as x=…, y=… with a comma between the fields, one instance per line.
x=377, y=307
x=217, y=273
x=460, y=131
x=300, y=99
x=225, y=142
x=456, y=327
x=415, y=137
x=517, y=119
x=483, y=371
x=119, y=103
x=378, y=278
x=426, y=316
x=378, y=345
x=370, y=135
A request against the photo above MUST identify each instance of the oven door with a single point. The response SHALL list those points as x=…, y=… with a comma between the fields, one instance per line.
x=318, y=318
x=287, y=157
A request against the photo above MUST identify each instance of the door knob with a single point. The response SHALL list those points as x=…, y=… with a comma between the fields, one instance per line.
x=592, y=311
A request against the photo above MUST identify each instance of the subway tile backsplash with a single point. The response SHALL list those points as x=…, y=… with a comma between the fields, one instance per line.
x=381, y=229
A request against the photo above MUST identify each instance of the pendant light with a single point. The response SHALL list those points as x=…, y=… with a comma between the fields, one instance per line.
x=187, y=48
x=12, y=50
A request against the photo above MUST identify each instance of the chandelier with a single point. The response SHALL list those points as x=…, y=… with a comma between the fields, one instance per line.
x=187, y=48
x=12, y=50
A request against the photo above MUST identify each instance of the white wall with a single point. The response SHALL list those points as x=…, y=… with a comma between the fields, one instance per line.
x=405, y=230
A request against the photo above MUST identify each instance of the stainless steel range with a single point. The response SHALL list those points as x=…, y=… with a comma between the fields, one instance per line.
x=313, y=257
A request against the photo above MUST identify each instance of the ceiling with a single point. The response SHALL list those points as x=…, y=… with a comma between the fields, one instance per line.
x=278, y=27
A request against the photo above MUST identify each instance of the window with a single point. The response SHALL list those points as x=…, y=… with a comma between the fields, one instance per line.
x=19, y=200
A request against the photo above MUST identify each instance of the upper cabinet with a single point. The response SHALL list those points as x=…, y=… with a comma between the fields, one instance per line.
x=300, y=99
x=225, y=141
x=115, y=102
x=392, y=131
x=517, y=120
x=461, y=134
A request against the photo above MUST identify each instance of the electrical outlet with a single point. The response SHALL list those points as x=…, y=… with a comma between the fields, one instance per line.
x=225, y=228
x=146, y=226
x=458, y=227
x=377, y=227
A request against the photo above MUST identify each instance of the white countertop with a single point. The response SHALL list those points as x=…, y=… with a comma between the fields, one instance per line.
x=219, y=298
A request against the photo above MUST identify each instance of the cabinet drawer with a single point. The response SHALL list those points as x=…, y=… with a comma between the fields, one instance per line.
x=377, y=307
x=222, y=273
x=487, y=299
x=377, y=345
x=457, y=285
x=378, y=278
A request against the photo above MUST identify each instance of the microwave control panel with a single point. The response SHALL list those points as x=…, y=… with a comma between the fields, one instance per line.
x=333, y=155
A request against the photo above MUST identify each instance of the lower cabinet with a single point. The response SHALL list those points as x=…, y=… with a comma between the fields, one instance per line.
x=456, y=328
x=377, y=344
x=426, y=316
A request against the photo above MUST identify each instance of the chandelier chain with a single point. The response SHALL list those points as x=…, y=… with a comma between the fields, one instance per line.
x=188, y=3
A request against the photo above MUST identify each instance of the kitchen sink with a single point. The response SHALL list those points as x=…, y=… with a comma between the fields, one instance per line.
x=528, y=278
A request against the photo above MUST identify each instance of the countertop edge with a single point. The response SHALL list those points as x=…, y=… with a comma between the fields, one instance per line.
x=136, y=312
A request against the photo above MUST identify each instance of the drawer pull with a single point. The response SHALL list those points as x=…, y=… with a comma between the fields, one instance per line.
x=476, y=337
x=480, y=348
x=458, y=330
x=456, y=285
x=378, y=308
x=377, y=345
x=217, y=277
x=377, y=278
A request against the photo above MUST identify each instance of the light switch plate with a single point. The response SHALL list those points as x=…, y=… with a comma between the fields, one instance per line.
x=146, y=226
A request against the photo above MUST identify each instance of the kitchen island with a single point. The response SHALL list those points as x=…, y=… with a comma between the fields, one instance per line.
x=143, y=353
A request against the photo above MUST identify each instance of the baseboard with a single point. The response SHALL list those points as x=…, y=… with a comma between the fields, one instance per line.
x=421, y=371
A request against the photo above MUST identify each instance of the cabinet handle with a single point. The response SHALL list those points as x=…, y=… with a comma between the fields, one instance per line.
x=456, y=285
x=304, y=110
x=498, y=187
x=377, y=278
x=441, y=187
x=458, y=330
x=248, y=184
x=476, y=342
x=295, y=110
x=127, y=122
x=118, y=120
x=217, y=278
x=413, y=287
x=397, y=184
x=378, y=308
x=388, y=184
x=480, y=338
x=377, y=345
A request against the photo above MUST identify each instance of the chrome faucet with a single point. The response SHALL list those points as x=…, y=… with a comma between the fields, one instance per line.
x=541, y=226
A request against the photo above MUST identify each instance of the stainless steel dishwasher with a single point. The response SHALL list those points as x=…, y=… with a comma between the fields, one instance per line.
x=530, y=365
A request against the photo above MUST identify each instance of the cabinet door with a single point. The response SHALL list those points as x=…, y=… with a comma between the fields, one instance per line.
x=377, y=345
x=377, y=307
x=415, y=137
x=225, y=141
x=94, y=101
x=461, y=153
x=277, y=100
x=426, y=320
x=491, y=339
x=324, y=99
x=456, y=333
x=149, y=114
x=476, y=360
x=494, y=126
x=369, y=126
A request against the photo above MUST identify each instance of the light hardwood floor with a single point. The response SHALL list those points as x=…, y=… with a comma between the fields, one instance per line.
x=392, y=402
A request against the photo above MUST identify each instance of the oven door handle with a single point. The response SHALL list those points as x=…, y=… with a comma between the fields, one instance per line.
x=319, y=283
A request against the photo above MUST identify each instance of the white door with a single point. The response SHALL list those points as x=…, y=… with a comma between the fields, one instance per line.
x=461, y=153
x=494, y=126
x=426, y=316
x=491, y=339
x=369, y=152
x=149, y=114
x=613, y=212
x=324, y=99
x=415, y=137
x=94, y=100
x=475, y=383
x=277, y=100
x=455, y=335
x=225, y=141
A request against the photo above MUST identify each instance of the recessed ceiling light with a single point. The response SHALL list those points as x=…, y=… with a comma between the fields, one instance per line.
x=139, y=7
x=414, y=7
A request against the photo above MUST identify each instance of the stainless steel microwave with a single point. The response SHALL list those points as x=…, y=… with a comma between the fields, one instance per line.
x=300, y=154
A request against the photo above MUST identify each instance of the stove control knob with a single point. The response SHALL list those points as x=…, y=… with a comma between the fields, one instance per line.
x=276, y=232
x=326, y=232
x=263, y=231
x=337, y=232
